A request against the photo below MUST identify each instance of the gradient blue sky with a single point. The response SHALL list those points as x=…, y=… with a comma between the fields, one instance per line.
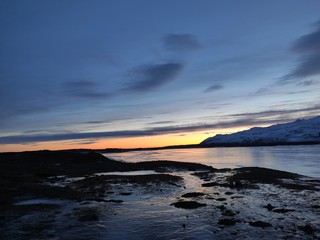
x=139, y=73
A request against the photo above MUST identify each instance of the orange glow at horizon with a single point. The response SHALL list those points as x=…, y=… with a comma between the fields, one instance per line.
x=125, y=142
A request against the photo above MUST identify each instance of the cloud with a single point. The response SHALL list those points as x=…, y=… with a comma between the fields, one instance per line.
x=309, y=66
x=263, y=91
x=150, y=77
x=308, y=49
x=85, y=89
x=308, y=43
x=181, y=42
x=270, y=113
x=161, y=122
x=182, y=129
x=213, y=88
x=83, y=142
x=307, y=83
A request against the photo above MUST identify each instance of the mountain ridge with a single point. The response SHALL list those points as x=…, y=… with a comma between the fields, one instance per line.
x=300, y=131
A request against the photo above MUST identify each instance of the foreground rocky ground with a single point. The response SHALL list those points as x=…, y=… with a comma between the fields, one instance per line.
x=59, y=195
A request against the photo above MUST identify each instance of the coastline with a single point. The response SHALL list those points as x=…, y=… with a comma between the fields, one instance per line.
x=63, y=186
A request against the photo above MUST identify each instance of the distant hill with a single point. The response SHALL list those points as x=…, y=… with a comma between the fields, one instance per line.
x=301, y=131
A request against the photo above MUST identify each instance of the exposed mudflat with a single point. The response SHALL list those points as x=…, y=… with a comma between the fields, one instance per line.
x=59, y=195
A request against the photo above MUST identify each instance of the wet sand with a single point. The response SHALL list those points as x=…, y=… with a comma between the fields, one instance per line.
x=58, y=195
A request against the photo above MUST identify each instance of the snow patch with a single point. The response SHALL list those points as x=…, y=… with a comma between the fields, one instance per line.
x=301, y=130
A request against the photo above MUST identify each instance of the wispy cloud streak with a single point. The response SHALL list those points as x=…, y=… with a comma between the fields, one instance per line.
x=278, y=112
x=213, y=88
x=85, y=89
x=150, y=77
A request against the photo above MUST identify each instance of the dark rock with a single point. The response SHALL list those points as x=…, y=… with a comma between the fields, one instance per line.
x=269, y=207
x=221, y=207
x=229, y=213
x=192, y=194
x=103, y=200
x=238, y=184
x=215, y=184
x=260, y=224
x=235, y=197
x=114, y=201
x=307, y=229
x=126, y=193
x=36, y=227
x=253, y=175
x=188, y=204
x=220, y=199
x=228, y=193
x=87, y=214
x=160, y=165
x=282, y=210
x=210, y=184
x=88, y=217
x=228, y=221
x=97, y=200
x=315, y=206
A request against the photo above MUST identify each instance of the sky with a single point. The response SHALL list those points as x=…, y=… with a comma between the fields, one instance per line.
x=141, y=73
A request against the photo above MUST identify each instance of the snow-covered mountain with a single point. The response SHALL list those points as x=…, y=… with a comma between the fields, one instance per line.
x=299, y=131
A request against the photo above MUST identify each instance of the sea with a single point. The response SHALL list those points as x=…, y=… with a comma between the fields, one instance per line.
x=301, y=159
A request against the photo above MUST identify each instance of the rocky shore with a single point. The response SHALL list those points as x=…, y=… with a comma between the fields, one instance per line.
x=82, y=195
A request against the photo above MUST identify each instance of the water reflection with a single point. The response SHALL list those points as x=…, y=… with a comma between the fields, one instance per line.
x=299, y=159
x=128, y=173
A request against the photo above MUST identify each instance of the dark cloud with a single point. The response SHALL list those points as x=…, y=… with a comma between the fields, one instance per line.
x=213, y=88
x=162, y=122
x=298, y=92
x=13, y=113
x=308, y=66
x=271, y=113
x=308, y=43
x=65, y=136
x=181, y=42
x=274, y=90
x=308, y=47
x=85, y=89
x=84, y=142
x=307, y=83
x=109, y=120
x=150, y=77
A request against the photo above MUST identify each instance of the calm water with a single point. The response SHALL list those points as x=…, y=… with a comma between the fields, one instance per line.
x=298, y=159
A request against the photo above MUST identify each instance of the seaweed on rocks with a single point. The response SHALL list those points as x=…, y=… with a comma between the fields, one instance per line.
x=260, y=224
x=188, y=204
x=228, y=221
x=192, y=194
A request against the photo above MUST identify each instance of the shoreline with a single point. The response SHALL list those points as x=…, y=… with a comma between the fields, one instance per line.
x=50, y=194
x=187, y=146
